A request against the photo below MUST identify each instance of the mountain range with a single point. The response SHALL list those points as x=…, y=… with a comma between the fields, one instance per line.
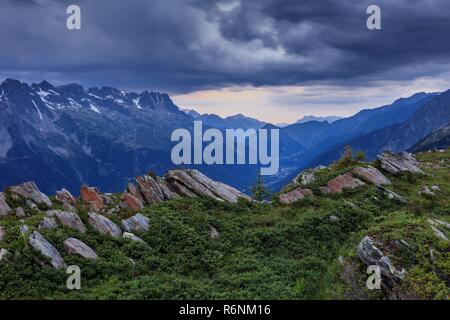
x=65, y=136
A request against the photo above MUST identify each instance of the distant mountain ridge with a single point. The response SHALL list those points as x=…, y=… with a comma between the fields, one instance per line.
x=65, y=136
x=438, y=139
x=329, y=119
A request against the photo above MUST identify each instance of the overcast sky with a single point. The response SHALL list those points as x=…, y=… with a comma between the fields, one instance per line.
x=272, y=59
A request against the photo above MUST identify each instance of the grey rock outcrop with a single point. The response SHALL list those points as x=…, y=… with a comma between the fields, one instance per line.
x=371, y=175
x=166, y=189
x=435, y=224
x=295, y=195
x=79, y=248
x=104, y=226
x=184, y=178
x=48, y=223
x=20, y=213
x=392, y=195
x=132, y=237
x=40, y=244
x=345, y=181
x=150, y=189
x=4, y=207
x=30, y=191
x=133, y=190
x=64, y=196
x=3, y=254
x=399, y=163
x=137, y=223
x=370, y=253
x=221, y=190
x=24, y=229
x=68, y=219
x=213, y=233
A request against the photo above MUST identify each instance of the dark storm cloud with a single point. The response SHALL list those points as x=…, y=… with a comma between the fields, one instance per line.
x=180, y=46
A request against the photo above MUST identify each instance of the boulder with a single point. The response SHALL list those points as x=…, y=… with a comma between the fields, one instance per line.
x=437, y=223
x=370, y=253
x=4, y=207
x=324, y=190
x=30, y=204
x=426, y=192
x=24, y=229
x=48, y=223
x=180, y=189
x=68, y=219
x=434, y=226
x=184, y=178
x=166, y=189
x=399, y=163
x=3, y=254
x=392, y=195
x=91, y=196
x=221, y=190
x=78, y=248
x=131, y=202
x=40, y=244
x=64, y=196
x=30, y=191
x=213, y=233
x=137, y=223
x=132, y=237
x=295, y=195
x=345, y=181
x=2, y=233
x=104, y=226
x=306, y=177
x=333, y=218
x=150, y=189
x=133, y=190
x=20, y=213
x=371, y=175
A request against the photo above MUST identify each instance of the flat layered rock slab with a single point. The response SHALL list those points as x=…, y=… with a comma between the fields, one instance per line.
x=91, y=196
x=137, y=223
x=48, y=223
x=69, y=219
x=345, y=181
x=30, y=191
x=399, y=163
x=184, y=178
x=79, y=248
x=104, y=226
x=64, y=196
x=392, y=195
x=371, y=175
x=168, y=193
x=132, y=237
x=221, y=190
x=295, y=195
x=131, y=202
x=4, y=207
x=150, y=189
x=40, y=244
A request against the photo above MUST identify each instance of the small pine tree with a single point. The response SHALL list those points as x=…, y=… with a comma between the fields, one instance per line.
x=259, y=191
x=360, y=156
x=348, y=153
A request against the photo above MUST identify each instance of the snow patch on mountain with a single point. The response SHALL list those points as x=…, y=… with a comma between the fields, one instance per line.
x=5, y=142
x=39, y=111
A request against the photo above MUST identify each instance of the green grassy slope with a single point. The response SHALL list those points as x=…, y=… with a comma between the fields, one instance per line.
x=263, y=252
